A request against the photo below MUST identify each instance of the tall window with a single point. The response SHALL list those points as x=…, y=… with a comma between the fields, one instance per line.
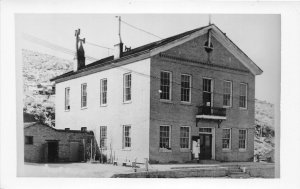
x=83, y=95
x=207, y=92
x=103, y=137
x=242, y=138
x=103, y=91
x=164, y=137
x=127, y=87
x=226, y=139
x=243, y=95
x=227, y=93
x=185, y=137
x=126, y=136
x=185, y=88
x=165, y=85
x=67, y=98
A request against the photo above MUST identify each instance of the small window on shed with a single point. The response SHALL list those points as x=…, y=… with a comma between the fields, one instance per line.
x=28, y=139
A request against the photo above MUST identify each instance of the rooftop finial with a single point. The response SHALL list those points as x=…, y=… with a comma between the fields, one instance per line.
x=209, y=19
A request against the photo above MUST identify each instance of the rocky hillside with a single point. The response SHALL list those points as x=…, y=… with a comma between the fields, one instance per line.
x=38, y=69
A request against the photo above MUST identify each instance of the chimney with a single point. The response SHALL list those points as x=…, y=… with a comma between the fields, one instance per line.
x=83, y=129
x=79, y=52
x=118, y=51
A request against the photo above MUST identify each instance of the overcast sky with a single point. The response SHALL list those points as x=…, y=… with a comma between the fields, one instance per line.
x=257, y=35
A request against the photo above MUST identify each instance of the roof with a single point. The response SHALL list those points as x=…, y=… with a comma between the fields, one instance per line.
x=164, y=42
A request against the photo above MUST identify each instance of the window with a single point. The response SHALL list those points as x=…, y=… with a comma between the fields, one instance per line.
x=165, y=85
x=103, y=91
x=126, y=136
x=127, y=87
x=226, y=139
x=164, y=137
x=243, y=95
x=207, y=92
x=185, y=88
x=185, y=137
x=103, y=137
x=227, y=93
x=28, y=139
x=242, y=139
x=83, y=95
x=67, y=98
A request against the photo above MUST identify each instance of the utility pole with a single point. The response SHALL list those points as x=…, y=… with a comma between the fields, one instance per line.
x=119, y=28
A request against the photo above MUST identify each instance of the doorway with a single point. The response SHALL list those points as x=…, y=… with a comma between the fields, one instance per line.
x=52, y=151
x=74, y=151
x=205, y=146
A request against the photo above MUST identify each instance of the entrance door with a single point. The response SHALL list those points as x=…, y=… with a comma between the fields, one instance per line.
x=52, y=151
x=74, y=151
x=205, y=146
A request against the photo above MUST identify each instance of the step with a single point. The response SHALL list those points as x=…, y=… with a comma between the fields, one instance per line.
x=238, y=175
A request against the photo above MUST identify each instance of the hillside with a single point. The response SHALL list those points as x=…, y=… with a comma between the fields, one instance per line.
x=39, y=68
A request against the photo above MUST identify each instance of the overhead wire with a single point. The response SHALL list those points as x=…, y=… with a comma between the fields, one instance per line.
x=68, y=51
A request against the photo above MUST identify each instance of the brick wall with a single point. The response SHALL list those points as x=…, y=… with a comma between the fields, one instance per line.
x=176, y=114
x=41, y=133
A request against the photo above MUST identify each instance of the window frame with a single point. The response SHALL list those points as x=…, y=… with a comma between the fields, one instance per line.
x=246, y=138
x=231, y=90
x=124, y=147
x=124, y=87
x=189, y=138
x=67, y=105
x=230, y=139
x=28, y=142
x=83, y=84
x=170, y=86
x=246, y=96
x=190, y=88
x=212, y=84
x=104, y=138
x=169, y=137
x=102, y=91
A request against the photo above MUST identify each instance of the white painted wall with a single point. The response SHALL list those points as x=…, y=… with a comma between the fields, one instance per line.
x=115, y=114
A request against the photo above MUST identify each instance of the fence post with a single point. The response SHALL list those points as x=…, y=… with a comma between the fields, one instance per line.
x=146, y=164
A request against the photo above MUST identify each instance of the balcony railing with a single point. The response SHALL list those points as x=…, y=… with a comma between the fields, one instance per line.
x=211, y=112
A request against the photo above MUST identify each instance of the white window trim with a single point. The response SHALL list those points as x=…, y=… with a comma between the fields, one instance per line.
x=67, y=110
x=83, y=107
x=212, y=89
x=170, y=139
x=189, y=144
x=231, y=91
x=171, y=86
x=246, y=139
x=123, y=137
x=101, y=86
x=124, y=98
x=230, y=140
x=190, y=100
x=246, y=100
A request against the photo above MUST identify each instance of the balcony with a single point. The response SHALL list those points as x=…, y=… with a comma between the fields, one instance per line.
x=212, y=113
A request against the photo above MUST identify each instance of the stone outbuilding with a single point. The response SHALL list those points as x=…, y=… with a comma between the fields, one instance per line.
x=43, y=143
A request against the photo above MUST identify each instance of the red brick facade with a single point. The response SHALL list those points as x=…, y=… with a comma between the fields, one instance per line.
x=191, y=58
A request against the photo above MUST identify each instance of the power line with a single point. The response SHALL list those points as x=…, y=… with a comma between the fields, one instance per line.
x=141, y=29
x=68, y=51
x=98, y=45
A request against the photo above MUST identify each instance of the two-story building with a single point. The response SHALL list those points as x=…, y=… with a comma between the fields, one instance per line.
x=189, y=96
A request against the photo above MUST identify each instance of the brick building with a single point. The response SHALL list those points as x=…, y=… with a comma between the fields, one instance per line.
x=46, y=144
x=183, y=98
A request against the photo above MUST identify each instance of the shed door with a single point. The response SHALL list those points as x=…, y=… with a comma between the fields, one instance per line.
x=74, y=151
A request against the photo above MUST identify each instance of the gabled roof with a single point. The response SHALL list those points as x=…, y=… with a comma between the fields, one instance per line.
x=170, y=42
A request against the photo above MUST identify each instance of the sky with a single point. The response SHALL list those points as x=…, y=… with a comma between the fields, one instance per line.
x=258, y=35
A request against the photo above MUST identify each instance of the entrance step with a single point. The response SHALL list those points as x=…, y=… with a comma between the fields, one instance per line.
x=209, y=161
x=238, y=175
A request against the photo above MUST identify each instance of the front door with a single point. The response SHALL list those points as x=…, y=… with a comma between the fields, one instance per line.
x=205, y=146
